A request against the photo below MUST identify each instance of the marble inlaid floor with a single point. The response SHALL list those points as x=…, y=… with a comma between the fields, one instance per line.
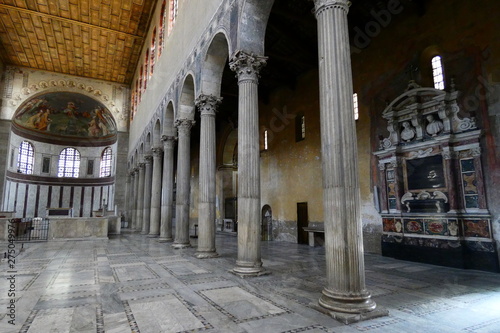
x=132, y=283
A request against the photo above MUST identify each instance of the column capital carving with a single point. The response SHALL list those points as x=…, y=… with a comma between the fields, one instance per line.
x=247, y=66
x=141, y=165
x=156, y=151
x=208, y=104
x=168, y=138
x=322, y=5
x=184, y=125
x=148, y=159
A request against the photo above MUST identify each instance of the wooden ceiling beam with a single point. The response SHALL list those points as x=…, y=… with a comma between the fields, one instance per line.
x=62, y=19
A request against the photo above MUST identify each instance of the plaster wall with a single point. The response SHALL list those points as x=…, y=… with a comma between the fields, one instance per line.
x=4, y=151
x=30, y=197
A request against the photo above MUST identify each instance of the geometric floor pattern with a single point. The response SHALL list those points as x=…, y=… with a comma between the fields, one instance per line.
x=132, y=283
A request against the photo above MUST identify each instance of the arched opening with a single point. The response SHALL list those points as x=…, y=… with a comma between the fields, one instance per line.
x=157, y=135
x=186, y=100
x=67, y=133
x=213, y=67
x=267, y=223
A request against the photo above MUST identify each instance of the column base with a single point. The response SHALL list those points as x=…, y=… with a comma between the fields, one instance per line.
x=206, y=254
x=181, y=245
x=347, y=304
x=144, y=233
x=165, y=240
x=244, y=270
x=153, y=236
x=349, y=318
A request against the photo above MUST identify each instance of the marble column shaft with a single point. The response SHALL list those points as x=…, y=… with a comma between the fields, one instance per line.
x=183, y=183
x=345, y=290
x=167, y=189
x=148, y=178
x=154, y=227
x=140, y=197
x=127, y=209
x=131, y=202
x=247, y=67
x=207, y=105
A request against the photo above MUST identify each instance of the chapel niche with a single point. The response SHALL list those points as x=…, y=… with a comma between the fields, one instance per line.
x=432, y=192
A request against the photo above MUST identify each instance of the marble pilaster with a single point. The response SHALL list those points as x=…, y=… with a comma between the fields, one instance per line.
x=247, y=67
x=345, y=292
x=167, y=189
x=140, y=197
x=207, y=105
x=183, y=184
x=154, y=227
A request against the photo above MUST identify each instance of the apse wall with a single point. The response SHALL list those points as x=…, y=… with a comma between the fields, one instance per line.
x=29, y=195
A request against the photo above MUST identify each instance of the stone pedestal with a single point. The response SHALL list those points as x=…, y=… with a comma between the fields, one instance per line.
x=207, y=105
x=140, y=197
x=148, y=175
x=345, y=291
x=167, y=189
x=154, y=227
x=249, y=262
x=183, y=185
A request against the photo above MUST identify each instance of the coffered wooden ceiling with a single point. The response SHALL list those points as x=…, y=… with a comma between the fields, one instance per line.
x=100, y=39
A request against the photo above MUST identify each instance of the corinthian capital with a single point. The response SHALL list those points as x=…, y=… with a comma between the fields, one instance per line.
x=208, y=104
x=184, y=125
x=322, y=5
x=157, y=151
x=247, y=66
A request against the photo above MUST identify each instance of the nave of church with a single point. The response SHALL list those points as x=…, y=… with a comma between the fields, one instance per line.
x=130, y=283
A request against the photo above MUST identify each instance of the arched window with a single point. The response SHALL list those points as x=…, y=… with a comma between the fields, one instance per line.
x=146, y=67
x=69, y=163
x=140, y=85
x=163, y=18
x=174, y=8
x=25, y=158
x=437, y=72
x=106, y=158
x=356, y=107
x=153, y=54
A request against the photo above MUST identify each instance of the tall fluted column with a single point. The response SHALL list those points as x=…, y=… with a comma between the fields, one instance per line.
x=167, y=189
x=140, y=198
x=247, y=67
x=345, y=291
x=146, y=208
x=207, y=105
x=154, y=227
x=133, y=199
x=128, y=193
x=183, y=185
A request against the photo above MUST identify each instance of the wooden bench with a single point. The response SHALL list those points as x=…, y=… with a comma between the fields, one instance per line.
x=313, y=232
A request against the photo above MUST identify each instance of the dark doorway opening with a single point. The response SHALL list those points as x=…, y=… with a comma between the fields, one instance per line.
x=302, y=222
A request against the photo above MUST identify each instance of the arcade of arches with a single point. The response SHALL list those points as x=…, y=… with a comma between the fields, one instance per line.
x=244, y=124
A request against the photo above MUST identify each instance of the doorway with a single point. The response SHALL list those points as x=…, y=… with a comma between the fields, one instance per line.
x=302, y=222
x=267, y=227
